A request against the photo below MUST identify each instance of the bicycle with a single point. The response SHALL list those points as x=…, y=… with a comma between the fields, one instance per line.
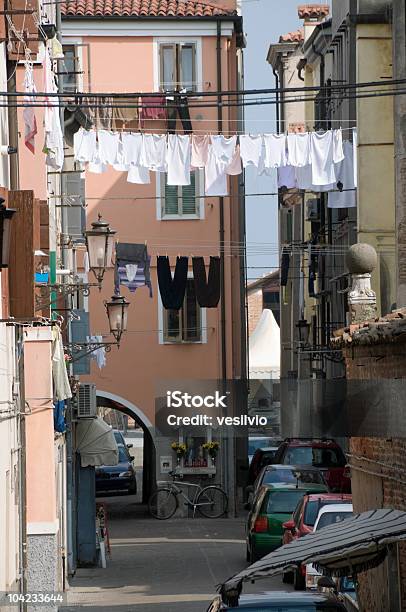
x=211, y=501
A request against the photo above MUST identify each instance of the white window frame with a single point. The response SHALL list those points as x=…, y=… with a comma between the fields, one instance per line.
x=159, y=40
x=161, y=318
x=160, y=191
x=78, y=46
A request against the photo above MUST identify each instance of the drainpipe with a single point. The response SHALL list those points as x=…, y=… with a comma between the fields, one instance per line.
x=228, y=444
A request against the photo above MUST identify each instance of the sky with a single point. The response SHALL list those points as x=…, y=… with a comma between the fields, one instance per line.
x=264, y=22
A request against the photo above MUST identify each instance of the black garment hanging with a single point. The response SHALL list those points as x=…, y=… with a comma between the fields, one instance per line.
x=178, y=104
x=285, y=264
x=172, y=290
x=207, y=291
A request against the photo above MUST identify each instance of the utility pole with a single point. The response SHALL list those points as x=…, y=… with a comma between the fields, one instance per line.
x=399, y=72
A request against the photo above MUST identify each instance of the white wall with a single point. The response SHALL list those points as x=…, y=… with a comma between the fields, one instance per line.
x=9, y=483
x=4, y=159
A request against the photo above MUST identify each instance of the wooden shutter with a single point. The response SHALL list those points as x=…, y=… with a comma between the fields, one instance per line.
x=189, y=196
x=171, y=205
x=74, y=185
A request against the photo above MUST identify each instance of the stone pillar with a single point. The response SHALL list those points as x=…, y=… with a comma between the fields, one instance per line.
x=361, y=260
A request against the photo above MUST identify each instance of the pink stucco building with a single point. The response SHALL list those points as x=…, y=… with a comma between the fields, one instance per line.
x=145, y=47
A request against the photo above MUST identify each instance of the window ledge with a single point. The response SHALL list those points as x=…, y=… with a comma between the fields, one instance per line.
x=181, y=342
x=181, y=218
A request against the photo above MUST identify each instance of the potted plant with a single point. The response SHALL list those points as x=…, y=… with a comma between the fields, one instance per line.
x=212, y=450
x=180, y=450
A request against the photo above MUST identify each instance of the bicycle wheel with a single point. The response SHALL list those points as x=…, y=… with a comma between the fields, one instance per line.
x=212, y=502
x=162, y=504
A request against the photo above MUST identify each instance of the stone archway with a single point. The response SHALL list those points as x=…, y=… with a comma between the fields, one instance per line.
x=123, y=405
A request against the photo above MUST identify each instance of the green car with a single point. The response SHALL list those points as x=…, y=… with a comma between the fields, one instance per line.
x=272, y=506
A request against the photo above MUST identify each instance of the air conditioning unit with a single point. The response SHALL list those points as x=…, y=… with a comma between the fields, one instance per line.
x=87, y=405
x=313, y=210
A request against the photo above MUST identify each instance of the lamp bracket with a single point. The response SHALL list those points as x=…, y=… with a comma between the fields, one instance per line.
x=65, y=289
x=86, y=348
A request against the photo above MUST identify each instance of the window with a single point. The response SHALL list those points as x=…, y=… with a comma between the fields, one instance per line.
x=318, y=457
x=282, y=501
x=313, y=507
x=180, y=201
x=177, y=66
x=184, y=325
x=330, y=518
x=70, y=68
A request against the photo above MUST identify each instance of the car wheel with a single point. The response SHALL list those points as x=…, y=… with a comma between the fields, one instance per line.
x=247, y=555
x=287, y=578
x=133, y=489
x=299, y=581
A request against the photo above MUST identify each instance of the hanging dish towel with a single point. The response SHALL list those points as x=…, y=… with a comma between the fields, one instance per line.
x=172, y=290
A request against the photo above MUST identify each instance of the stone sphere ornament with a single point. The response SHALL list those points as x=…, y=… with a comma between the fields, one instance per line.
x=361, y=258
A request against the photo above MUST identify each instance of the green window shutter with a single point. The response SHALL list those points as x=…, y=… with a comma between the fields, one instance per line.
x=171, y=200
x=189, y=196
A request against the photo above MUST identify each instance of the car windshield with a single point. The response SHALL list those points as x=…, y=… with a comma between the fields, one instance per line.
x=289, y=475
x=282, y=501
x=330, y=518
x=313, y=507
x=318, y=457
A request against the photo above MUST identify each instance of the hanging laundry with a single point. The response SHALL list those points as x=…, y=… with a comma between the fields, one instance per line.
x=275, y=151
x=138, y=175
x=215, y=177
x=207, y=289
x=84, y=145
x=200, y=151
x=338, y=151
x=346, y=196
x=53, y=145
x=326, y=150
x=223, y=148
x=99, y=355
x=285, y=264
x=178, y=159
x=154, y=152
x=172, y=290
x=62, y=390
x=178, y=105
x=152, y=107
x=287, y=177
x=251, y=150
x=235, y=166
x=59, y=416
x=108, y=146
x=125, y=117
x=128, y=254
x=299, y=149
x=132, y=148
x=30, y=122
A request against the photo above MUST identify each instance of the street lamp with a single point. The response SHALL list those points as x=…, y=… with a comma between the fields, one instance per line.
x=6, y=214
x=99, y=244
x=304, y=331
x=117, y=313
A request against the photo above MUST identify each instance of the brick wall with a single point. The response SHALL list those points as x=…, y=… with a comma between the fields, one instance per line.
x=255, y=305
x=377, y=490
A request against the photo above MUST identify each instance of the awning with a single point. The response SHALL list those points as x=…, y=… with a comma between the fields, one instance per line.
x=96, y=443
x=264, y=347
x=345, y=548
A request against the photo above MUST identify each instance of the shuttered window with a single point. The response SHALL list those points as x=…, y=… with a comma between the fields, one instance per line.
x=180, y=201
x=184, y=325
x=178, y=66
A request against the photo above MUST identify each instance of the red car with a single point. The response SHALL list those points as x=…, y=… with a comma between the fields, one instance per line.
x=324, y=454
x=302, y=523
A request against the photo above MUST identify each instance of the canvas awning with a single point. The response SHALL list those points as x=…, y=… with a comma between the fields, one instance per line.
x=345, y=548
x=96, y=443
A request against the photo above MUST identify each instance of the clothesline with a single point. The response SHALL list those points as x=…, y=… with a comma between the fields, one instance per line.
x=317, y=155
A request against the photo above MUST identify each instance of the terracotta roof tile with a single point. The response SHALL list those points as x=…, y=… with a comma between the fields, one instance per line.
x=313, y=11
x=297, y=36
x=142, y=8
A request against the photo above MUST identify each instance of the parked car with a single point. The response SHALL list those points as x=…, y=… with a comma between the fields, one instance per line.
x=120, y=438
x=255, y=442
x=303, y=476
x=302, y=522
x=120, y=477
x=272, y=506
x=282, y=602
x=328, y=515
x=262, y=456
x=324, y=454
